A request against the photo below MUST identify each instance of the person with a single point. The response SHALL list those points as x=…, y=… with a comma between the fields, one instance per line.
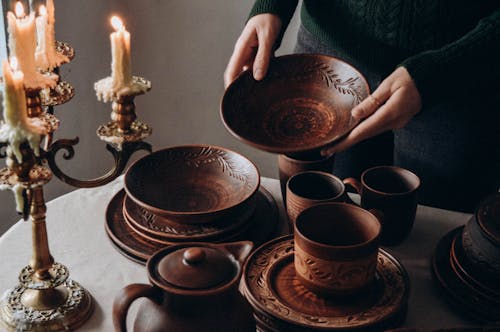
x=433, y=67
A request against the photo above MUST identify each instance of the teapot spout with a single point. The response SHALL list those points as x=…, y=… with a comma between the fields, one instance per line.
x=240, y=250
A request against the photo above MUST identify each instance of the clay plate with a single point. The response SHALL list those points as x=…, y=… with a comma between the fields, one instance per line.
x=132, y=245
x=161, y=229
x=303, y=103
x=458, y=293
x=192, y=183
x=270, y=285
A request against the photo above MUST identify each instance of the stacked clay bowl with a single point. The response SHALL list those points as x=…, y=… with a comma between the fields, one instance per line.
x=190, y=193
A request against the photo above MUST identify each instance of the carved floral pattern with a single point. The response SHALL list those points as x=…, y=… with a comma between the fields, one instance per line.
x=258, y=290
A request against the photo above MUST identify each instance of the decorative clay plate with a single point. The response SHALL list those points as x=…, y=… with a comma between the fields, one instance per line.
x=303, y=103
x=278, y=297
x=264, y=223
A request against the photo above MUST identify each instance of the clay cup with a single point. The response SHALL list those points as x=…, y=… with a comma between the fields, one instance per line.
x=309, y=188
x=336, y=248
x=393, y=191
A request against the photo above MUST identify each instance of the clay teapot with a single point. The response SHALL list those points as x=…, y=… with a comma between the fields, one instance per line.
x=194, y=287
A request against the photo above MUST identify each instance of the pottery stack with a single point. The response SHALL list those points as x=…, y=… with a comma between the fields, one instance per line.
x=466, y=263
x=189, y=193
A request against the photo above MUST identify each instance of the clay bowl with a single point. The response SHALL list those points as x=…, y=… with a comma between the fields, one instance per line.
x=193, y=184
x=302, y=104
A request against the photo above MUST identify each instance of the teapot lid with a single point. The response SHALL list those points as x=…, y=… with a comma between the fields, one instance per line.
x=197, y=267
x=488, y=217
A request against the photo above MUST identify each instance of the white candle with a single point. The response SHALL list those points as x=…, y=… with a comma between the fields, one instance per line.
x=22, y=44
x=14, y=97
x=121, y=71
x=22, y=40
x=18, y=127
x=47, y=57
x=42, y=37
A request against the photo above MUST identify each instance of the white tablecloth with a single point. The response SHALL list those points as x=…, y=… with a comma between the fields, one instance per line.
x=75, y=224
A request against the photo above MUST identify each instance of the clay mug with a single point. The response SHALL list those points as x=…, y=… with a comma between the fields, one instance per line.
x=336, y=248
x=393, y=191
x=193, y=287
x=299, y=162
x=309, y=188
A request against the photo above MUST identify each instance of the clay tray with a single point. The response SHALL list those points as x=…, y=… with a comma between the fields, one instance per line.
x=134, y=246
x=280, y=302
x=464, y=293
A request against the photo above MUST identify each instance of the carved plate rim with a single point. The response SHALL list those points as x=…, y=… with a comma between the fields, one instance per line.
x=281, y=248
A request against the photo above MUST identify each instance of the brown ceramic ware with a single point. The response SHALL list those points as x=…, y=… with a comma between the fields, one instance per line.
x=137, y=247
x=194, y=287
x=282, y=303
x=290, y=165
x=160, y=229
x=303, y=103
x=393, y=191
x=193, y=183
x=336, y=248
x=461, y=294
x=309, y=188
x=481, y=238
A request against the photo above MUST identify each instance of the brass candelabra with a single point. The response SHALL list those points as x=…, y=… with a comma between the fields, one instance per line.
x=46, y=298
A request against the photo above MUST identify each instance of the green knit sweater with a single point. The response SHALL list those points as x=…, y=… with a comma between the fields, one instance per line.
x=451, y=48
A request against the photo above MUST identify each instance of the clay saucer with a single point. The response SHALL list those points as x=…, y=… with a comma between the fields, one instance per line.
x=302, y=104
x=161, y=229
x=467, y=273
x=136, y=247
x=460, y=294
x=281, y=301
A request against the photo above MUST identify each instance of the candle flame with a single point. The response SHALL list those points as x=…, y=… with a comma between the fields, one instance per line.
x=117, y=23
x=13, y=63
x=42, y=10
x=19, y=9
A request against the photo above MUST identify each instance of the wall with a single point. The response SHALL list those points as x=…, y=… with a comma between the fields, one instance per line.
x=182, y=46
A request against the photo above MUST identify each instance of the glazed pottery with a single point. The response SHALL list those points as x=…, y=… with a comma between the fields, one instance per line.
x=194, y=287
x=302, y=104
x=282, y=303
x=393, y=191
x=336, y=248
x=309, y=188
x=289, y=165
x=481, y=238
x=464, y=296
x=193, y=183
x=135, y=246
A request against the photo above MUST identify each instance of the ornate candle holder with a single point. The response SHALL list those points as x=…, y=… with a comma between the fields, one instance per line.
x=45, y=298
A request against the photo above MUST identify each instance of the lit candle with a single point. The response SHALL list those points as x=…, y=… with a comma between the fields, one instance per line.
x=22, y=44
x=14, y=97
x=121, y=71
x=18, y=127
x=47, y=57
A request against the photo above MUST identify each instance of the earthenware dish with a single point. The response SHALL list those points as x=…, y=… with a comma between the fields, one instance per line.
x=303, y=103
x=282, y=303
x=193, y=183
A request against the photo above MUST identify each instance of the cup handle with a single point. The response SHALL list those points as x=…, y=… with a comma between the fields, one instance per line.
x=354, y=183
x=125, y=298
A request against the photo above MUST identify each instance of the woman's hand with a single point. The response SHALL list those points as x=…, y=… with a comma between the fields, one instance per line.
x=391, y=106
x=254, y=47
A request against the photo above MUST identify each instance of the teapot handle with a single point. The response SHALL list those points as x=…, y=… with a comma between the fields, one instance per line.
x=125, y=298
x=354, y=183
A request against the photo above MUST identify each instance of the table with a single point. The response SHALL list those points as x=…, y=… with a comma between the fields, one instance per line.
x=75, y=224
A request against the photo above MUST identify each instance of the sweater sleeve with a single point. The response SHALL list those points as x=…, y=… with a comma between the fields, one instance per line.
x=470, y=63
x=282, y=8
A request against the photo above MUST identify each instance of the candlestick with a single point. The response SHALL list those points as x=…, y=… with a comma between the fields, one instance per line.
x=47, y=55
x=22, y=44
